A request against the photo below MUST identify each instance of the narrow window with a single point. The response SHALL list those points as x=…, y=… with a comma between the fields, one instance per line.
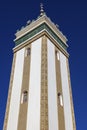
x=58, y=56
x=27, y=52
x=60, y=99
x=24, y=97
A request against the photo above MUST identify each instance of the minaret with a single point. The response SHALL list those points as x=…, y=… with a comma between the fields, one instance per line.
x=40, y=96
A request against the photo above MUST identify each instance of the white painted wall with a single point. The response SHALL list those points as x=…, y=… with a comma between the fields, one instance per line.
x=52, y=95
x=16, y=91
x=33, y=117
x=66, y=94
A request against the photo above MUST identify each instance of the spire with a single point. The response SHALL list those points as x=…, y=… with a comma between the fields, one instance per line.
x=41, y=10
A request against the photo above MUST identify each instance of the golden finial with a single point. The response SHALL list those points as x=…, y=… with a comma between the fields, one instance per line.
x=41, y=10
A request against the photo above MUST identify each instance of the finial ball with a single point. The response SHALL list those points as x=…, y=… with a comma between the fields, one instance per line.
x=41, y=10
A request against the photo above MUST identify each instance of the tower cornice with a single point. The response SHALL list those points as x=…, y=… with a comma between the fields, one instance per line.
x=38, y=26
x=41, y=34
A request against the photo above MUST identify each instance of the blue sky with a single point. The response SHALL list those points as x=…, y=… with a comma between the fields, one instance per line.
x=71, y=16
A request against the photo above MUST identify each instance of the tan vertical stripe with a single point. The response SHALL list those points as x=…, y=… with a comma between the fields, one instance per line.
x=9, y=93
x=71, y=99
x=44, y=87
x=22, y=119
x=61, y=119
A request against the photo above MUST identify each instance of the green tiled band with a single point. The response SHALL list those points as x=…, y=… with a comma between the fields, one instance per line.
x=38, y=30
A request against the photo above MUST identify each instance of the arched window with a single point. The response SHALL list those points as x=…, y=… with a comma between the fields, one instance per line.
x=57, y=55
x=27, y=52
x=60, y=99
x=24, y=97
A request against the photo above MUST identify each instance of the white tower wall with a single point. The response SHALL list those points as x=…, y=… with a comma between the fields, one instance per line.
x=66, y=93
x=52, y=93
x=16, y=91
x=33, y=115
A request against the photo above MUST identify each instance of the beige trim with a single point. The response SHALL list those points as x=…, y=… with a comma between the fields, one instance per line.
x=44, y=87
x=9, y=93
x=71, y=98
x=22, y=119
x=38, y=36
x=61, y=118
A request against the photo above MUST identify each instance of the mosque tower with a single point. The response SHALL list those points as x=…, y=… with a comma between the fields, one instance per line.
x=40, y=96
